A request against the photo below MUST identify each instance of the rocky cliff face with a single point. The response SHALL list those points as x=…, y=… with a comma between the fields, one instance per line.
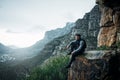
x=88, y=27
x=103, y=68
x=106, y=67
x=110, y=22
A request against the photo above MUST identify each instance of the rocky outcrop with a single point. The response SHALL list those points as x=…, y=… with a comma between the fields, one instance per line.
x=89, y=27
x=109, y=33
x=106, y=67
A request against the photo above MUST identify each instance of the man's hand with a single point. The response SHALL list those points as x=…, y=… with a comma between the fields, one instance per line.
x=67, y=47
x=72, y=53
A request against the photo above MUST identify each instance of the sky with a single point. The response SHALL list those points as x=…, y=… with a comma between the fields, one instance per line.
x=24, y=22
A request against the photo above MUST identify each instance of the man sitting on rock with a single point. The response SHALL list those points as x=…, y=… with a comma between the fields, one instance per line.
x=77, y=48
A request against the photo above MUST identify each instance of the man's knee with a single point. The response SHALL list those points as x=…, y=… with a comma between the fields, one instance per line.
x=77, y=54
x=74, y=55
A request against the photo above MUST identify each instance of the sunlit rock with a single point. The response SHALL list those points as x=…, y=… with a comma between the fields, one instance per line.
x=110, y=22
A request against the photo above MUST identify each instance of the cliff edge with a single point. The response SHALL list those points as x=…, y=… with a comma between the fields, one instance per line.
x=107, y=65
x=103, y=66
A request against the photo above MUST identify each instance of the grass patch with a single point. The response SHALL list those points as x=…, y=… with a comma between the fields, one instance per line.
x=51, y=69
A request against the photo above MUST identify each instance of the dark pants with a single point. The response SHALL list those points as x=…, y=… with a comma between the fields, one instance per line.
x=74, y=56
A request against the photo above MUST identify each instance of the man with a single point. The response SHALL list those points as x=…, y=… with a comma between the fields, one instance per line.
x=77, y=48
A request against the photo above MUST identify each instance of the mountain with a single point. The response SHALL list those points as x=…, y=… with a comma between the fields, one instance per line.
x=88, y=27
x=52, y=34
x=55, y=41
x=13, y=47
x=29, y=52
x=5, y=53
x=4, y=49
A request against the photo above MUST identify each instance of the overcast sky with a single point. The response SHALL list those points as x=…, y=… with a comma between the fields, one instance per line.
x=23, y=22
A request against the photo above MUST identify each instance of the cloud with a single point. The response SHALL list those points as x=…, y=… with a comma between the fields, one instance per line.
x=20, y=39
x=31, y=30
x=10, y=31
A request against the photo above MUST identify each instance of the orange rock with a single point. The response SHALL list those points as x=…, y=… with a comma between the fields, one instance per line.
x=107, y=36
x=110, y=23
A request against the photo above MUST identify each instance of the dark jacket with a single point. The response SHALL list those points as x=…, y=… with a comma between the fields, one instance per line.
x=77, y=46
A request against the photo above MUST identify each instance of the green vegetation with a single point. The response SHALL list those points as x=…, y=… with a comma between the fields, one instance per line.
x=52, y=69
x=103, y=48
x=118, y=44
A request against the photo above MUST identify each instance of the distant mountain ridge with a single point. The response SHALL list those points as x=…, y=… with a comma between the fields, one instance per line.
x=35, y=49
x=5, y=53
x=52, y=34
x=4, y=49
